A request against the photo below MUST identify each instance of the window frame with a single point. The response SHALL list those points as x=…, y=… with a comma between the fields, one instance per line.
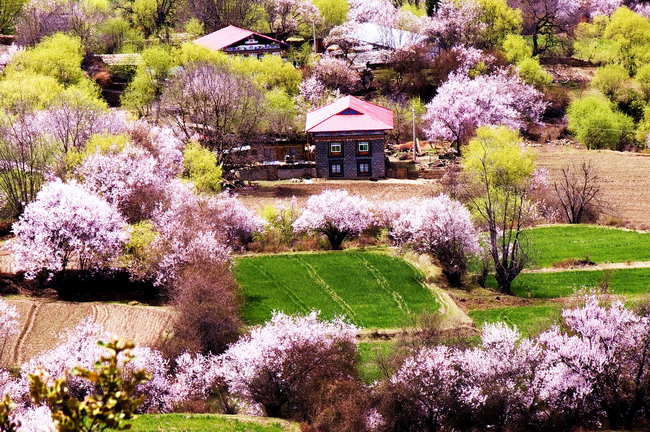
x=364, y=174
x=335, y=154
x=363, y=153
x=334, y=163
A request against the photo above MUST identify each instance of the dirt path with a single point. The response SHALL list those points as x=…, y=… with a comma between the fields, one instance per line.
x=41, y=321
x=597, y=267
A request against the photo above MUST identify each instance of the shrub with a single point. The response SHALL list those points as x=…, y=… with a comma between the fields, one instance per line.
x=200, y=167
x=610, y=80
x=531, y=72
x=597, y=125
x=516, y=48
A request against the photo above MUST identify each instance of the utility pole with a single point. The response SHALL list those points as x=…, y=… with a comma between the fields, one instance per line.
x=415, y=145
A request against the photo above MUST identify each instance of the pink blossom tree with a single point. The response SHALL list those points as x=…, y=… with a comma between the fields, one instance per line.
x=284, y=16
x=335, y=214
x=284, y=364
x=463, y=104
x=237, y=222
x=443, y=228
x=380, y=12
x=456, y=23
x=68, y=224
x=336, y=75
x=608, y=348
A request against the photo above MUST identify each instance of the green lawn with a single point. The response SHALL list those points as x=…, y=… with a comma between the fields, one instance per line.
x=370, y=352
x=372, y=290
x=556, y=243
x=206, y=423
x=530, y=320
x=630, y=282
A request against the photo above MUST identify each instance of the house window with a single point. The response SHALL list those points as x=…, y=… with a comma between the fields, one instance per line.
x=363, y=148
x=336, y=149
x=363, y=168
x=336, y=169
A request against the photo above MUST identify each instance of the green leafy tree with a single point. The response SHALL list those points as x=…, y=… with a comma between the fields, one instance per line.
x=499, y=172
x=610, y=80
x=501, y=20
x=109, y=408
x=333, y=12
x=533, y=73
x=147, y=84
x=516, y=48
x=9, y=11
x=643, y=80
x=200, y=167
x=596, y=124
x=630, y=33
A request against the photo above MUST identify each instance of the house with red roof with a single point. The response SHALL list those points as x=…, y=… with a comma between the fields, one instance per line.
x=235, y=40
x=349, y=136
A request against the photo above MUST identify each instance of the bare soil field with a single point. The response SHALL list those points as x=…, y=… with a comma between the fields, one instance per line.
x=41, y=321
x=624, y=179
x=268, y=193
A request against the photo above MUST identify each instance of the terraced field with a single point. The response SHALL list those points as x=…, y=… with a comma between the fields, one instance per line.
x=373, y=290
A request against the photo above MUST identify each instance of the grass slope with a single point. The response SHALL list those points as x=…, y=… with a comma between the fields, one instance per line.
x=207, y=423
x=629, y=282
x=373, y=290
x=530, y=320
x=560, y=242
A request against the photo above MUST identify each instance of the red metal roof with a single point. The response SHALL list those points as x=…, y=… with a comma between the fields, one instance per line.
x=227, y=36
x=330, y=118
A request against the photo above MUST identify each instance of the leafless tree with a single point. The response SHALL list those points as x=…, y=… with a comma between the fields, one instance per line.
x=221, y=107
x=216, y=14
x=578, y=192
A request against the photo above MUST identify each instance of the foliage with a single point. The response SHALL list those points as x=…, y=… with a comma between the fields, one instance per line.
x=630, y=33
x=596, y=124
x=642, y=77
x=65, y=225
x=336, y=75
x=283, y=365
x=200, y=167
x=26, y=90
x=280, y=218
x=223, y=107
x=544, y=20
x=335, y=214
x=270, y=72
x=332, y=282
x=500, y=174
x=284, y=17
x=516, y=48
x=610, y=80
x=148, y=81
x=501, y=21
x=333, y=12
x=443, y=228
x=111, y=407
x=464, y=104
x=58, y=56
x=532, y=73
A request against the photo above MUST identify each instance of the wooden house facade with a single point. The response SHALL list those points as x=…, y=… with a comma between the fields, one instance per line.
x=349, y=138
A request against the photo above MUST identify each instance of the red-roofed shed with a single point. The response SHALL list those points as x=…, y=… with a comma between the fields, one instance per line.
x=235, y=40
x=349, y=138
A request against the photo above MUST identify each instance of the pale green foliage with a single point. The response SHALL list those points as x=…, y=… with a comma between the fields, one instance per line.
x=200, y=167
x=501, y=20
x=269, y=72
x=643, y=79
x=643, y=130
x=194, y=27
x=631, y=34
x=597, y=125
x=282, y=112
x=103, y=144
x=28, y=90
x=189, y=53
x=9, y=10
x=281, y=219
x=533, y=73
x=333, y=12
x=610, y=80
x=418, y=11
x=110, y=407
x=58, y=56
x=516, y=48
x=496, y=155
x=139, y=253
x=148, y=81
x=590, y=43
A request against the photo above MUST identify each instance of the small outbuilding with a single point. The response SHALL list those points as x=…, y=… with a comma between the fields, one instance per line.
x=349, y=136
x=235, y=40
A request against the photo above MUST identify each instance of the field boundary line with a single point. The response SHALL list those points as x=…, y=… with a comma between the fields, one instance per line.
x=282, y=287
x=630, y=265
x=383, y=283
x=328, y=289
x=29, y=325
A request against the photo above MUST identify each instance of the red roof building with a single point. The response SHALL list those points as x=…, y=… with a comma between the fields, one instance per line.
x=235, y=40
x=349, y=137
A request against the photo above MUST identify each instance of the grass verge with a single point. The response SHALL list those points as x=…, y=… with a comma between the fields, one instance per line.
x=209, y=423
